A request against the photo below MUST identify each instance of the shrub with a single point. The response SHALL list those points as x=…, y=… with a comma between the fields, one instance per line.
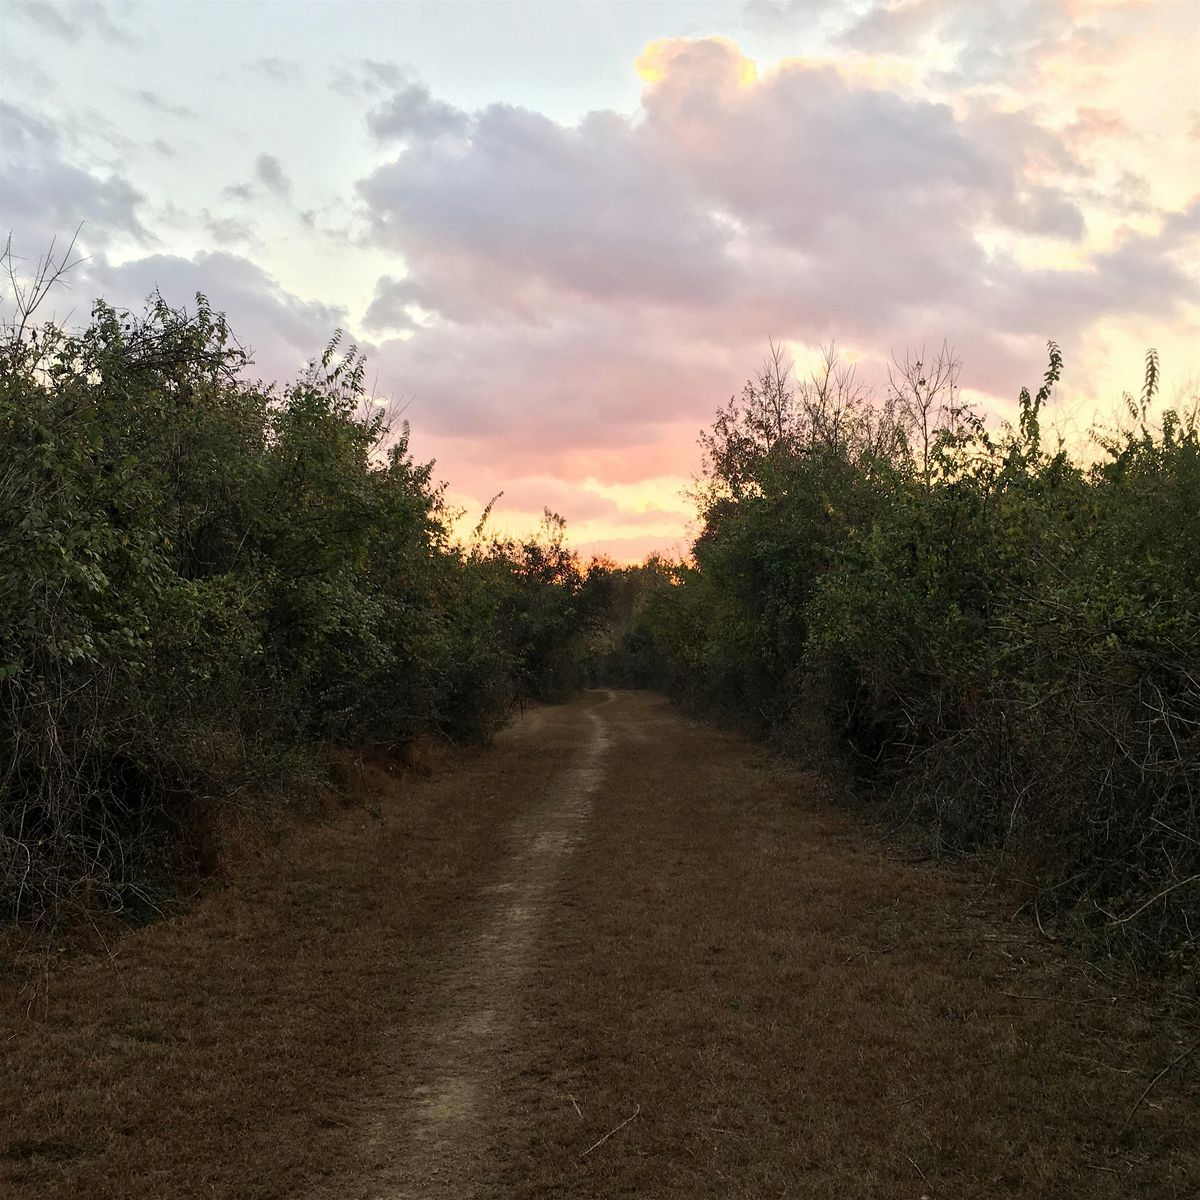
x=1004, y=640
x=202, y=578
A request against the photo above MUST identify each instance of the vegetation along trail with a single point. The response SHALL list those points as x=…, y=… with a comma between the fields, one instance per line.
x=617, y=953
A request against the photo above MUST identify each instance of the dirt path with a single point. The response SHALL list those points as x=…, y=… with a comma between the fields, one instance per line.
x=462, y=1035
x=618, y=954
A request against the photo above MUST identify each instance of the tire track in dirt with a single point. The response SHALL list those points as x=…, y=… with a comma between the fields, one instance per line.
x=461, y=1043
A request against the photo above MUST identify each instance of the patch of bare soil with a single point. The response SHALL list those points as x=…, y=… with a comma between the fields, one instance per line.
x=454, y=1051
x=619, y=954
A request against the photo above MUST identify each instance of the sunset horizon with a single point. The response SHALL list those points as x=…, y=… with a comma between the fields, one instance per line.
x=565, y=235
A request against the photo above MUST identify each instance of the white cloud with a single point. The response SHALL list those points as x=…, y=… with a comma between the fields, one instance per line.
x=45, y=195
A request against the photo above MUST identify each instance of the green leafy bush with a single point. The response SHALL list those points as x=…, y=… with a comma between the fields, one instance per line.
x=1004, y=641
x=201, y=579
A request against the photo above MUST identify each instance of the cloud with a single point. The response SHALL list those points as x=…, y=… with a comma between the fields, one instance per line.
x=28, y=73
x=161, y=104
x=532, y=493
x=268, y=170
x=990, y=43
x=227, y=229
x=524, y=207
x=367, y=77
x=269, y=176
x=807, y=147
x=74, y=20
x=787, y=16
x=244, y=192
x=1150, y=275
x=412, y=112
x=802, y=196
x=46, y=196
x=578, y=299
x=596, y=391
x=637, y=548
x=1092, y=125
x=278, y=70
x=389, y=309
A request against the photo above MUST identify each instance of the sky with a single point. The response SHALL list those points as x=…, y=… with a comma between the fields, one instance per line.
x=564, y=233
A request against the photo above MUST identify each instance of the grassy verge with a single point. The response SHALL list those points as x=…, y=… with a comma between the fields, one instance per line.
x=797, y=1012
x=223, y=1052
x=787, y=1008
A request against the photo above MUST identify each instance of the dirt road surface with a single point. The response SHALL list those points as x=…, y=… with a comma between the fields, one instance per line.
x=617, y=954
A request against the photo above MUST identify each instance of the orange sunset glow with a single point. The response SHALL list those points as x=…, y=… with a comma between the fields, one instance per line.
x=562, y=292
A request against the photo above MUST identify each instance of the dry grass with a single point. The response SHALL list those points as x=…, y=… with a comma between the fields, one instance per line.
x=795, y=1012
x=799, y=1014
x=224, y=1052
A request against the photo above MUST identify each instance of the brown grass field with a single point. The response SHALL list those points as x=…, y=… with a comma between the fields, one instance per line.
x=617, y=954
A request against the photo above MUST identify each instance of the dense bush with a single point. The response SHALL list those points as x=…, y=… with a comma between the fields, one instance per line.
x=1004, y=640
x=201, y=579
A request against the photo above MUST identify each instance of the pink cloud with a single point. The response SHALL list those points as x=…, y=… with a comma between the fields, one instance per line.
x=567, y=302
x=598, y=290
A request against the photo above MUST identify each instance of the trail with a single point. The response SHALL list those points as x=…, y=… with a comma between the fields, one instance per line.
x=461, y=1039
x=619, y=954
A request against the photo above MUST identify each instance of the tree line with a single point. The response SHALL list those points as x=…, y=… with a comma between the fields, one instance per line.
x=997, y=637
x=203, y=580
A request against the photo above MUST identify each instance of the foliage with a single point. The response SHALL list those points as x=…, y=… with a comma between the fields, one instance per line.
x=1005, y=641
x=201, y=579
